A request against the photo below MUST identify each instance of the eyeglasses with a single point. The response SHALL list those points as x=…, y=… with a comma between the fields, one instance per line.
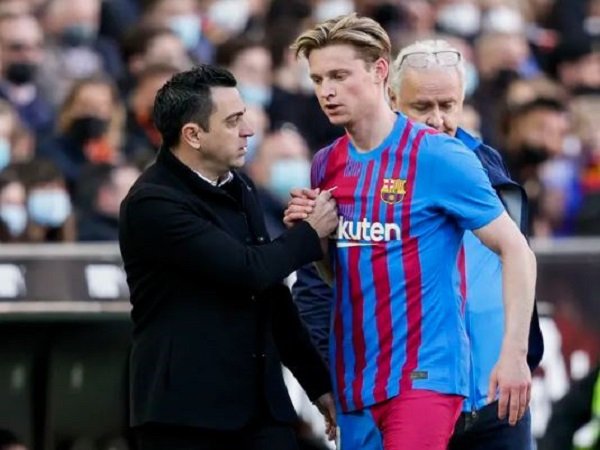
x=421, y=60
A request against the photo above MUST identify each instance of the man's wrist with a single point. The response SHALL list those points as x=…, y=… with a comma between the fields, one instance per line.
x=514, y=348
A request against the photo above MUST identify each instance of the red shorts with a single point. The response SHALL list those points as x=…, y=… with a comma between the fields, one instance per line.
x=414, y=420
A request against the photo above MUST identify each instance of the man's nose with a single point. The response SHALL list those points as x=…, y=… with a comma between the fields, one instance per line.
x=246, y=130
x=435, y=120
x=327, y=89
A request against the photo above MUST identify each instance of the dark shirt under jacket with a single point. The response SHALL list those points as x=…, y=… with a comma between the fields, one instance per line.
x=212, y=321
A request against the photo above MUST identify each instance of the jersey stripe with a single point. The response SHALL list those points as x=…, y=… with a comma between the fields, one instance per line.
x=382, y=283
x=412, y=265
x=398, y=271
x=336, y=156
x=369, y=280
x=338, y=344
x=357, y=293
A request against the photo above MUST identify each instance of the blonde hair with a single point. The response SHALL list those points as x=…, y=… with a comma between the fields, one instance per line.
x=363, y=33
x=430, y=47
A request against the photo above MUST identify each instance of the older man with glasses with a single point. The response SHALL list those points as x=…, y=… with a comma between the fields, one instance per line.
x=427, y=85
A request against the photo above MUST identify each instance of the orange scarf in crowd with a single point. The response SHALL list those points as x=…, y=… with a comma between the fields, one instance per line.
x=99, y=151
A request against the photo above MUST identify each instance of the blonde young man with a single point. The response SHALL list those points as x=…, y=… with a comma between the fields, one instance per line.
x=427, y=84
x=405, y=195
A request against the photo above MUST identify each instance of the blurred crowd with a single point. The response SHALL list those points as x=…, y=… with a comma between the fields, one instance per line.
x=78, y=80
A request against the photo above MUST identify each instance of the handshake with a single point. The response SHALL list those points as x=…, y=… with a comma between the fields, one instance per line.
x=316, y=207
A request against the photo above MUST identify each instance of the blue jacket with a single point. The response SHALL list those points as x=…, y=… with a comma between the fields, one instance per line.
x=484, y=305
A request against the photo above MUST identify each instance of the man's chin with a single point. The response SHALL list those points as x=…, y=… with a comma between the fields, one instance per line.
x=238, y=162
x=339, y=120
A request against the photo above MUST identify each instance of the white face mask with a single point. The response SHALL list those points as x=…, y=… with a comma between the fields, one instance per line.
x=462, y=18
x=503, y=19
x=471, y=78
x=49, y=207
x=14, y=217
x=189, y=29
x=5, y=153
x=287, y=174
x=231, y=15
x=328, y=9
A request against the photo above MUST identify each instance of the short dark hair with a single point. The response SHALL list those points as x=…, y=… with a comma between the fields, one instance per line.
x=185, y=98
x=229, y=50
x=511, y=114
x=155, y=70
x=137, y=40
x=279, y=38
x=9, y=175
x=543, y=103
x=39, y=171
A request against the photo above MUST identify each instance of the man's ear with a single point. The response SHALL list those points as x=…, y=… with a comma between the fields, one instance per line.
x=382, y=70
x=193, y=135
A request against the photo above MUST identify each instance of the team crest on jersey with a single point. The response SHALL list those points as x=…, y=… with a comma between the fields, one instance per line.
x=393, y=190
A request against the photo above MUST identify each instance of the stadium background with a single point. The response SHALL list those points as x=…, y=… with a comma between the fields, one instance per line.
x=77, y=80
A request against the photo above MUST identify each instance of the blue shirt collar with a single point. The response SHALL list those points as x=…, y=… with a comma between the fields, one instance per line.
x=468, y=139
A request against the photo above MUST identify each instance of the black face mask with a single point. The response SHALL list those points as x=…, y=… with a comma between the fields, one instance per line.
x=21, y=72
x=532, y=155
x=86, y=128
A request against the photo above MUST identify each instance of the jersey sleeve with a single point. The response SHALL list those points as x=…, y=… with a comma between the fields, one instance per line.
x=460, y=186
x=317, y=168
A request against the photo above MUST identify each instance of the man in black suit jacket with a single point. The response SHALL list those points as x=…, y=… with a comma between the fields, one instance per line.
x=212, y=321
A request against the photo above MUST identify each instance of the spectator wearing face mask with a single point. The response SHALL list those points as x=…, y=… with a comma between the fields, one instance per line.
x=75, y=49
x=21, y=55
x=184, y=18
x=13, y=210
x=147, y=45
x=534, y=137
x=49, y=206
x=501, y=58
x=280, y=164
x=576, y=65
x=99, y=194
x=89, y=129
x=250, y=62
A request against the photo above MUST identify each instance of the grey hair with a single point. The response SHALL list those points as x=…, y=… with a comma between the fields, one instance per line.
x=427, y=46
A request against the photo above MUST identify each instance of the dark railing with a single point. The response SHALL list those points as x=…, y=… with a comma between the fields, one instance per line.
x=64, y=333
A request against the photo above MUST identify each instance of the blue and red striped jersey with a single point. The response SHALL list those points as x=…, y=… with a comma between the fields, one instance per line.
x=403, y=208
